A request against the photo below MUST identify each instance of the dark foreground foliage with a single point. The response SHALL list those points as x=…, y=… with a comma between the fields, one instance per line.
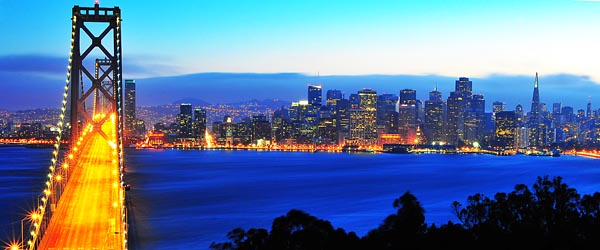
x=551, y=215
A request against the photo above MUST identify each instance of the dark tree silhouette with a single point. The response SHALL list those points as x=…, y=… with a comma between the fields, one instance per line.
x=403, y=230
x=550, y=215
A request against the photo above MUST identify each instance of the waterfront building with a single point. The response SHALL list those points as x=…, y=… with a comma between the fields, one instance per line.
x=433, y=127
x=506, y=129
x=261, y=130
x=334, y=103
x=343, y=119
x=475, y=120
x=407, y=114
x=326, y=130
x=363, y=128
x=537, y=128
x=199, y=124
x=386, y=109
x=129, y=108
x=184, y=121
x=455, y=118
x=304, y=120
x=281, y=127
x=521, y=137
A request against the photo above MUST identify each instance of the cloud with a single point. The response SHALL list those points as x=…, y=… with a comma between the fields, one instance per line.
x=56, y=66
x=33, y=63
x=233, y=87
x=38, y=80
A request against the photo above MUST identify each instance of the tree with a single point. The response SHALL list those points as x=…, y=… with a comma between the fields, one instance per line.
x=404, y=229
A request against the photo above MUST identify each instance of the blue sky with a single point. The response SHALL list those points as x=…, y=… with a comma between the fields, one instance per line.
x=447, y=38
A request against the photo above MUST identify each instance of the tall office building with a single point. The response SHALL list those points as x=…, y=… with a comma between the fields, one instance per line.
x=200, y=124
x=475, y=120
x=407, y=115
x=363, y=129
x=386, y=105
x=367, y=100
x=454, y=118
x=537, y=129
x=464, y=85
x=261, y=130
x=327, y=128
x=465, y=115
x=520, y=114
x=498, y=106
x=556, y=107
x=506, y=129
x=129, y=109
x=568, y=113
x=333, y=97
x=435, y=95
x=304, y=120
x=434, y=117
x=408, y=96
x=184, y=121
x=315, y=95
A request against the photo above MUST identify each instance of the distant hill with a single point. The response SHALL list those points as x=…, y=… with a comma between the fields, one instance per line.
x=570, y=90
x=269, y=103
x=193, y=101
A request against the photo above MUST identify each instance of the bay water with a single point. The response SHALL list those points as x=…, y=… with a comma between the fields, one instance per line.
x=186, y=199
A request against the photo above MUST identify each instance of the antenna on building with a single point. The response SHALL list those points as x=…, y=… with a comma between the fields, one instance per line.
x=318, y=75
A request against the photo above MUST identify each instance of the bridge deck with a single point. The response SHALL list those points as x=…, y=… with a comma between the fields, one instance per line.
x=88, y=214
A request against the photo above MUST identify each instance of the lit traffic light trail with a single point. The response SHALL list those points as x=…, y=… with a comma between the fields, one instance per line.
x=88, y=215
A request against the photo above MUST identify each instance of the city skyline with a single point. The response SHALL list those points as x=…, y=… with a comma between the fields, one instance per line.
x=93, y=173
x=493, y=41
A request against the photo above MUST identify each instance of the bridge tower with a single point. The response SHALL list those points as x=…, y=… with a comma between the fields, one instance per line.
x=84, y=20
x=91, y=99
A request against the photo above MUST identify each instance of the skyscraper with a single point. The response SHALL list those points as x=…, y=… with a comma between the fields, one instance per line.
x=386, y=104
x=464, y=85
x=408, y=96
x=184, y=121
x=363, y=129
x=475, y=119
x=261, y=130
x=506, y=129
x=304, y=120
x=315, y=95
x=498, y=106
x=465, y=116
x=434, y=114
x=588, y=112
x=435, y=95
x=333, y=97
x=129, y=109
x=556, y=107
x=200, y=124
x=407, y=115
x=537, y=129
x=455, y=122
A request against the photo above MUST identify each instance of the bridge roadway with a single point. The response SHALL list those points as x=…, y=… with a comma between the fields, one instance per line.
x=88, y=214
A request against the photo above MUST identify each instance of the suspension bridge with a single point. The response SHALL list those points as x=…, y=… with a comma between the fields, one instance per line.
x=82, y=204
